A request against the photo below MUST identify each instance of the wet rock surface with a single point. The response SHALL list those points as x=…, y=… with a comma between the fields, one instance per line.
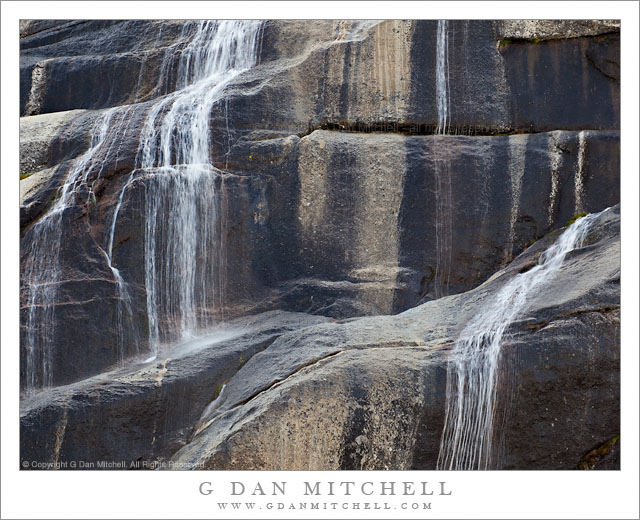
x=329, y=223
x=368, y=393
x=336, y=200
x=146, y=411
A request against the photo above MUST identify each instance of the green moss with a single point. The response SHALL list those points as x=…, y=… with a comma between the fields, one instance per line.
x=504, y=42
x=25, y=175
x=216, y=391
x=534, y=40
x=590, y=460
x=576, y=217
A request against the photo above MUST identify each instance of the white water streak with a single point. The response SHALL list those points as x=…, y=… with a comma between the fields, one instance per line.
x=126, y=329
x=181, y=211
x=579, y=176
x=442, y=77
x=443, y=191
x=181, y=219
x=42, y=270
x=556, y=164
x=469, y=436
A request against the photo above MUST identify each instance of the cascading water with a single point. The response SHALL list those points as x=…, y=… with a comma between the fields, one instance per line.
x=443, y=190
x=468, y=438
x=182, y=232
x=579, y=176
x=442, y=77
x=42, y=270
x=556, y=161
x=181, y=219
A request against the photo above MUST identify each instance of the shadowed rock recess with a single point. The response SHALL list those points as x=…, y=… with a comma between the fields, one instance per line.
x=262, y=245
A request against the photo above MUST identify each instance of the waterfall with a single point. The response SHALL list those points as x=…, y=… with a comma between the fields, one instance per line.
x=579, y=176
x=41, y=275
x=556, y=162
x=468, y=437
x=125, y=326
x=442, y=77
x=182, y=229
x=443, y=191
x=181, y=215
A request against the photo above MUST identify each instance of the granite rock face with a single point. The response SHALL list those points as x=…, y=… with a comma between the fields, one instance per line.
x=358, y=204
x=304, y=392
x=329, y=223
x=556, y=29
x=368, y=393
x=336, y=200
x=349, y=72
x=145, y=412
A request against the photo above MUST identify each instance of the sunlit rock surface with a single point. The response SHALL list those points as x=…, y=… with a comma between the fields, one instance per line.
x=334, y=199
x=368, y=393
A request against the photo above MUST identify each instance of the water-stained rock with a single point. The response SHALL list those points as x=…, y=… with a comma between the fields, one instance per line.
x=146, y=411
x=369, y=393
x=333, y=197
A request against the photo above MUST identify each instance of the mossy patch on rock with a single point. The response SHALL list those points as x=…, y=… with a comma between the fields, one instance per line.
x=590, y=460
x=576, y=217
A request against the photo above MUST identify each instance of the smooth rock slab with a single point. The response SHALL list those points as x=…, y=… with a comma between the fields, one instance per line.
x=369, y=223
x=361, y=394
x=335, y=223
x=147, y=411
x=348, y=72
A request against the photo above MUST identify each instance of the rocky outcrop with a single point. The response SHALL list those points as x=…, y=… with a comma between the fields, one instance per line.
x=328, y=223
x=49, y=139
x=556, y=29
x=372, y=72
x=335, y=198
x=369, y=393
x=303, y=392
x=358, y=203
x=48, y=144
x=91, y=63
x=143, y=413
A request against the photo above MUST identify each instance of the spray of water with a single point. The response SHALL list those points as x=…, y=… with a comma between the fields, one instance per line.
x=469, y=434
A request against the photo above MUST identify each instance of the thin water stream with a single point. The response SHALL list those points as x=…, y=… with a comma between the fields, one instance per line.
x=469, y=435
x=183, y=281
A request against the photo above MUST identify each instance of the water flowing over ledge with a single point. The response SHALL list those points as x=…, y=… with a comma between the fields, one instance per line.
x=183, y=251
x=471, y=432
x=280, y=244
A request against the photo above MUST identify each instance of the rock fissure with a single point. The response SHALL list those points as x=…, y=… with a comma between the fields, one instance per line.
x=536, y=326
x=599, y=69
x=423, y=129
x=278, y=382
